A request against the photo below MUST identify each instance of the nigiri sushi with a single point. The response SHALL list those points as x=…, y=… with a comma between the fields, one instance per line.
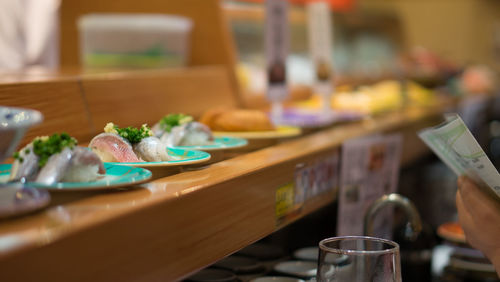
x=49, y=160
x=180, y=130
x=128, y=144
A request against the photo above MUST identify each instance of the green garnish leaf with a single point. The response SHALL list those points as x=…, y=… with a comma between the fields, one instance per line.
x=44, y=147
x=172, y=120
x=18, y=157
x=133, y=134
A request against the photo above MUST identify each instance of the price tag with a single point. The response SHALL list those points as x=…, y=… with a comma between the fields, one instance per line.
x=276, y=43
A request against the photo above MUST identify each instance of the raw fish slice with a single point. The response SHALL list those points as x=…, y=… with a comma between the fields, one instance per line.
x=151, y=149
x=84, y=157
x=27, y=169
x=189, y=134
x=157, y=131
x=55, y=168
x=197, y=134
x=175, y=136
x=112, y=147
x=85, y=166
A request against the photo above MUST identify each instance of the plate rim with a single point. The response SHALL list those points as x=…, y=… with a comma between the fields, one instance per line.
x=291, y=131
x=173, y=163
x=290, y=262
x=444, y=232
x=243, y=143
x=146, y=176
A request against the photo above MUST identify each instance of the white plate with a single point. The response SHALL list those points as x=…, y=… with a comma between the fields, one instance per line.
x=312, y=254
x=276, y=279
x=304, y=269
x=15, y=200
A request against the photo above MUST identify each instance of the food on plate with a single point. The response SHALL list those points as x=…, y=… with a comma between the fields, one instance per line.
x=237, y=120
x=128, y=144
x=53, y=159
x=384, y=96
x=181, y=130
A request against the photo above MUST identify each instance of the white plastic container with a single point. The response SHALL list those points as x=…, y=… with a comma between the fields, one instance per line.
x=134, y=40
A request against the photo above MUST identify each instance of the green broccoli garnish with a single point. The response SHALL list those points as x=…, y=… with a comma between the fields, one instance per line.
x=44, y=147
x=172, y=120
x=133, y=134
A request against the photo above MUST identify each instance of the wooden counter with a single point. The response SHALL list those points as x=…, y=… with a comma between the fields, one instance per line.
x=173, y=226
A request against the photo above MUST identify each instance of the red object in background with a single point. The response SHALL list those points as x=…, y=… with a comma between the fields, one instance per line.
x=336, y=5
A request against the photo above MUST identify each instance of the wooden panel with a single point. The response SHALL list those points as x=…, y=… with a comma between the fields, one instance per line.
x=144, y=97
x=60, y=102
x=211, y=42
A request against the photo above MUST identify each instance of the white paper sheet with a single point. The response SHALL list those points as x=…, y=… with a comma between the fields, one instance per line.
x=454, y=144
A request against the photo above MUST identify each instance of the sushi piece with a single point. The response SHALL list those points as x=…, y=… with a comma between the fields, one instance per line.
x=170, y=121
x=151, y=149
x=181, y=130
x=128, y=144
x=111, y=147
x=25, y=168
x=189, y=134
x=48, y=160
x=55, y=167
x=84, y=166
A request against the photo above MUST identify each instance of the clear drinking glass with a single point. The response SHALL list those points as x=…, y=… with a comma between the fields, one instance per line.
x=358, y=259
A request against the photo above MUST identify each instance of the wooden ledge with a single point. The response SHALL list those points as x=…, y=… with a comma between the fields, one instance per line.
x=173, y=226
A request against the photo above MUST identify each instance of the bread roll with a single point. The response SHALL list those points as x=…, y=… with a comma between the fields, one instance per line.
x=237, y=120
x=209, y=116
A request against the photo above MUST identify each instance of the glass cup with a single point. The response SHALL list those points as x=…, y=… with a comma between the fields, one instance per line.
x=358, y=259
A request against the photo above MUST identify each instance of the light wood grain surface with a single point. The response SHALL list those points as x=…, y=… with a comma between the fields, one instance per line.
x=60, y=102
x=145, y=97
x=173, y=226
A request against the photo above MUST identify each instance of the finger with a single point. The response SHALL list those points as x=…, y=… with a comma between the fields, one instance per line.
x=465, y=219
x=471, y=195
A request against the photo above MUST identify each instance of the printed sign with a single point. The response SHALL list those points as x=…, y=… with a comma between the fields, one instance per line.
x=316, y=178
x=310, y=180
x=276, y=43
x=369, y=170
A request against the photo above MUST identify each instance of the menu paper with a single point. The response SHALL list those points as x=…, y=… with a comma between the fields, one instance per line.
x=320, y=45
x=455, y=145
x=369, y=169
x=276, y=38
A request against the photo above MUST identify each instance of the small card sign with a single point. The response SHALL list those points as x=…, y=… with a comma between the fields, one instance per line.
x=318, y=177
x=320, y=45
x=276, y=44
x=369, y=170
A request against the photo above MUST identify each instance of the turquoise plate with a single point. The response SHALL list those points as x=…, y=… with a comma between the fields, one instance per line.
x=116, y=176
x=180, y=157
x=220, y=143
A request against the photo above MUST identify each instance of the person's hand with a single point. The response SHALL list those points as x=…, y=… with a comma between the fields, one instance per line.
x=479, y=216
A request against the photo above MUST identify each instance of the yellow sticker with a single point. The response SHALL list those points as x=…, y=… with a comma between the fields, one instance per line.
x=285, y=196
